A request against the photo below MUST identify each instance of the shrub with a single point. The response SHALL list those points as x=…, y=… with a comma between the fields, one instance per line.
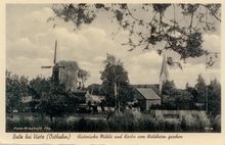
x=25, y=121
x=88, y=125
x=117, y=121
x=216, y=123
x=195, y=121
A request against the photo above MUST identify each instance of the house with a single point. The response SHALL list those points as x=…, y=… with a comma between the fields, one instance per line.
x=154, y=87
x=26, y=103
x=147, y=95
x=26, y=99
x=93, y=99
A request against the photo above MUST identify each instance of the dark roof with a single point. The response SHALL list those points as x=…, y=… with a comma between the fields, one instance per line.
x=79, y=93
x=148, y=93
x=154, y=87
x=146, y=86
x=95, y=89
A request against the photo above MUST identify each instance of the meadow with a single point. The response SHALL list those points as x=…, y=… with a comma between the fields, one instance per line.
x=126, y=121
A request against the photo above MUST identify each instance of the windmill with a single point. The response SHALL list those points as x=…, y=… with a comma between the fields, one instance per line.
x=55, y=67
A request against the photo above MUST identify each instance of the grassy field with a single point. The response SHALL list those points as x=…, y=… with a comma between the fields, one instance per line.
x=128, y=121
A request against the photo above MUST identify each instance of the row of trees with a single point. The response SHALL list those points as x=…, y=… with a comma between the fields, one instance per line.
x=208, y=94
x=55, y=100
x=15, y=88
x=51, y=99
x=200, y=96
x=46, y=97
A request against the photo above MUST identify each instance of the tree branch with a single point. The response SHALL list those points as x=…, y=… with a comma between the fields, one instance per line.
x=211, y=12
x=128, y=10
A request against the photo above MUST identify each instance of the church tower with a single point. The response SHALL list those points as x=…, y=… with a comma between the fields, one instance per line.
x=164, y=73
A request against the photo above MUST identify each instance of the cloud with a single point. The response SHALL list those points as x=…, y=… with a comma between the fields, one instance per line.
x=30, y=44
x=26, y=66
x=144, y=68
x=99, y=59
x=212, y=42
x=148, y=59
x=26, y=48
x=41, y=15
x=94, y=34
x=38, y=49
x=190, y=73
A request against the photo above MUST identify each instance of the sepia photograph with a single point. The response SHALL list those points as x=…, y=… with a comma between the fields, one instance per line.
x=113, y=67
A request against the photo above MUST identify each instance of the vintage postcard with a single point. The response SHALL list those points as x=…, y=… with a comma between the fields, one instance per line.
x=120, y=72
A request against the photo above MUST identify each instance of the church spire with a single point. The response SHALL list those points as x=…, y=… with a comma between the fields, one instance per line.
x=164, y=73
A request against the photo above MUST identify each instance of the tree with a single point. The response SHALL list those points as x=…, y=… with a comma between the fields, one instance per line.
x=201, y=88
x=176, y=98
x=209, y=95
x=183, y=100
x=16, y=88
x=193, y=91
x=37, y=88
x=115, y=82
x=53, y=102
x=214, y=97
x=50, y=99
x=168, y=87
x=83, y=75
x=150, y=24
x=39, y=85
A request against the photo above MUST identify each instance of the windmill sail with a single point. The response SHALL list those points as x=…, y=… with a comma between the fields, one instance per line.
x=54, y=61
x=64, y=72
x=46, y=66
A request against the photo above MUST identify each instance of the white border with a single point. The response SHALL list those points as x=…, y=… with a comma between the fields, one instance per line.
x=188, y=138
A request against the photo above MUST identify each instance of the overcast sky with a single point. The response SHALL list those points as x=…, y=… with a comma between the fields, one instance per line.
x=30, y=44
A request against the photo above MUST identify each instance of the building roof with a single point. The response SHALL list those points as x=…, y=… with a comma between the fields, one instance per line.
x=94, y=98
x=145, y=85
x=154, y=87
x=95, y=89
x=26, y=99
x=148, y=93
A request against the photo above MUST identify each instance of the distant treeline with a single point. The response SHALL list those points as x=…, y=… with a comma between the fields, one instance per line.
x=200, y=96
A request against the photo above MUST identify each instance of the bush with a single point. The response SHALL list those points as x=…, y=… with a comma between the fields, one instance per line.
x=118, y=121
x=87, y=125
x=216, y=123
x=24, y=122
x=195, y=121
x=126, y=121
x=60, y=124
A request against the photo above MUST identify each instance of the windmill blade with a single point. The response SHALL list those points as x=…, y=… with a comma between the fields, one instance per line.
x=54, y=61
x=46, y=67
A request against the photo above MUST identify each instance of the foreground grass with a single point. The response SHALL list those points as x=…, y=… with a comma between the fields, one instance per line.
x=114, y=122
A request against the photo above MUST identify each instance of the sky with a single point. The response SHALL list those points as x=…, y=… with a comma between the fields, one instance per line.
x=30, y=45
